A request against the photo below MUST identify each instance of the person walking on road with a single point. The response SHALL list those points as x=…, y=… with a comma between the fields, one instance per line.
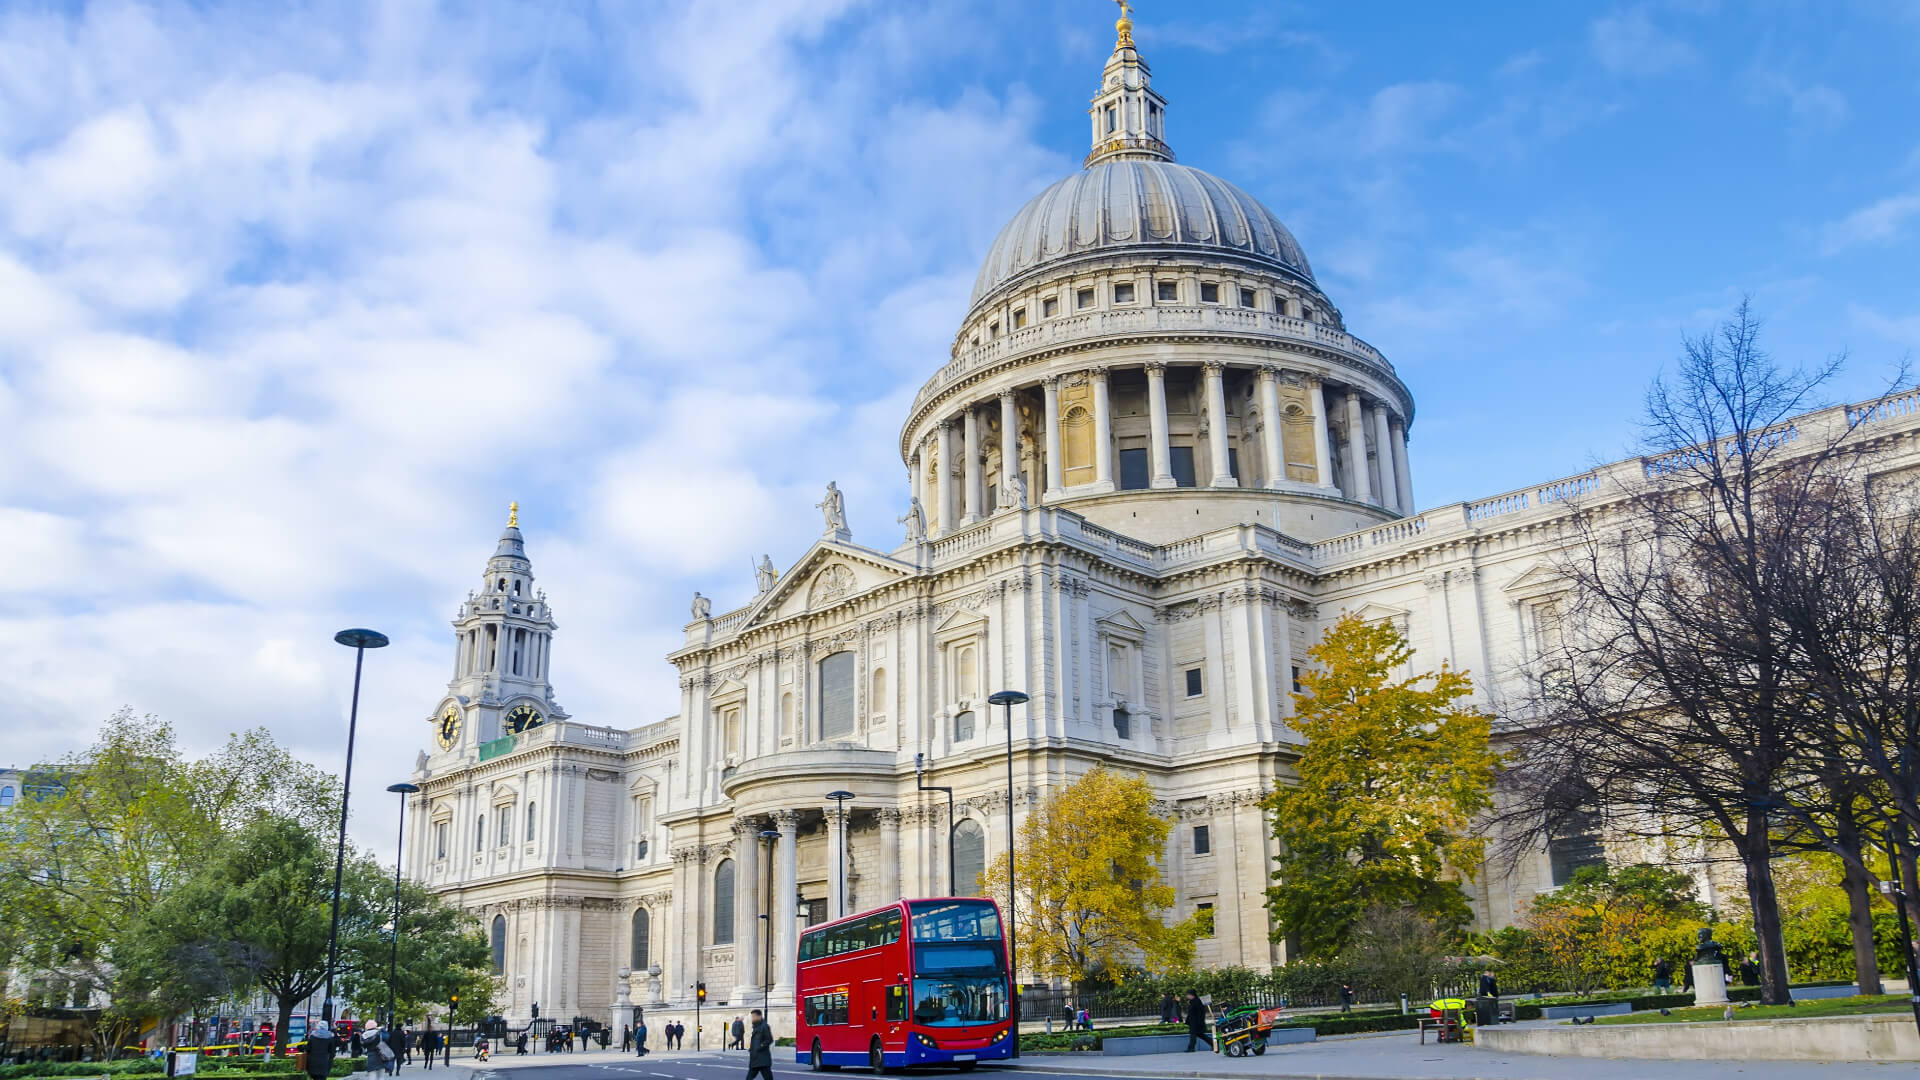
x=739, y=1034
x=760, y=1052
x=1346, y=997
x=640, y=1036
x=430, y=1043
x=322, y=1045
x=1663, y=975
x=1197, y=1022
x=1169, y=1009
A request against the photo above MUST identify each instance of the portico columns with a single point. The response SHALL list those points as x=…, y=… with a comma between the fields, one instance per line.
x=944, y=512
x=1270, y=426
x=889, y=856
x=973, y=492
x=1162, y=476
x=786, y=879
x=913, y=482
x=1389, y=489
x=1102, y=433
x=746, y=908
x=1361, y=487
x=1397, y=434
x=1009, y=450
x=1052, y=385
x=836, y=864
x=1217, y=425
x=1322, y=447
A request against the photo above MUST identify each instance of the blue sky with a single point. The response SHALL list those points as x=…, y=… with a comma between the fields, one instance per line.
x=295, y=298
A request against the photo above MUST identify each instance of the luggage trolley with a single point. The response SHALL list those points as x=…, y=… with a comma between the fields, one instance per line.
x=1241, y=1031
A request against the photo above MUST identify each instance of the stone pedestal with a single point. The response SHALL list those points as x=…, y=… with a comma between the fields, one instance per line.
x=1709, y=984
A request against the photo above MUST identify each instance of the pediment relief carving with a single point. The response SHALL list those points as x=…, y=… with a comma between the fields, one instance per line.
x=1537, y=582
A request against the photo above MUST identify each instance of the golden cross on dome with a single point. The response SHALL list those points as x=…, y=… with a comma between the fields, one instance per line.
x=1126, y=10
x=1124, y=28
x=513, y=515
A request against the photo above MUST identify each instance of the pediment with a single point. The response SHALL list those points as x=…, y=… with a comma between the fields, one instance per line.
x=1122, y=624
x=1382, y=613
x=1539, y=580
x=830, y=573
x=960, y=622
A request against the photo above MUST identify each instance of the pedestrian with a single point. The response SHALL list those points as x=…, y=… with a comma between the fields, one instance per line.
x=356, y=1046
x=322, y=1045
x=740, y=1034
x=1686, y=978
x=520, y=1045
x=402, y=1046
x=1346, y=997
x=1489, y=986
x=1749, y=972
x=370, y=1043
x=679, y=1030
x=430, y=1044
x=640, y=1036
x=1169, y=1009
x=1663, y=975
x=760, y=1053
x=1197, y=1022
x=626, y=1038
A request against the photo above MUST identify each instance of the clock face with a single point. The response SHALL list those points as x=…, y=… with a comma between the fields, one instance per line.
x=522, y=717
x=448, y=726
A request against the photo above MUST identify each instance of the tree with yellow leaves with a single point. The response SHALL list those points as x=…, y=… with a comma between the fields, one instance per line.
x=1392, y=772
x=1092, y=902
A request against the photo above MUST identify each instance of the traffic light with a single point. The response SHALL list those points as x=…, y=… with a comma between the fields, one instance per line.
x=453, y=1004
x=700, y=991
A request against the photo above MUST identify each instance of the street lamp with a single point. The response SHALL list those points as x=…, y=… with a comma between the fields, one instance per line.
x=359, y=641
x=1010, y=698
x=920, y=782
x=399, y=851
x=767, y=836
x=840, y=850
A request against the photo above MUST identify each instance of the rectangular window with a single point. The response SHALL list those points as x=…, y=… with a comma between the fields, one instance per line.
x=1049, y=308
x=503, y=825
x=993, y=331
x=1202, y=843
x=1167, y=290
x=816, y=912
x=1122, y=724
x=826, y=1008
x=1113, y=119
x=896, y=1003
x=1123, y=293
x=1194, y=687
x=1133, y=469
x=836, y=695
x=1209, y=293
x=1205, y=912
x=1246, y=298
x=1019, y=317
x=480, y=833
x=1083, y=299
x=440, y=840
x=1298, y=688
x=1233, y=462
x=1180, y=463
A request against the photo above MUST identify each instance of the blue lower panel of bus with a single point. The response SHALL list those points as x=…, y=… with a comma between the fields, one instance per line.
x=915, y=1054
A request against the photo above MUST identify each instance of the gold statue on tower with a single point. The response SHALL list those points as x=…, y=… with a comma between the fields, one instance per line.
x=1124, y=27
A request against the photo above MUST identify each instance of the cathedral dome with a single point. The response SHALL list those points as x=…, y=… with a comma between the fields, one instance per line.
x=1137, y=206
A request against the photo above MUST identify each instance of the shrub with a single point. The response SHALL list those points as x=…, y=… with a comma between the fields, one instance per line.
x=139, y=1066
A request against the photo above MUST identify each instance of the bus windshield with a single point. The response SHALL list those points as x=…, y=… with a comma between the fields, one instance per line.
x=959, y=1000
x=955, y=920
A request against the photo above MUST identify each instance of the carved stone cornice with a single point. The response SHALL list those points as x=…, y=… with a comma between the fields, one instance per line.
x=889, y=815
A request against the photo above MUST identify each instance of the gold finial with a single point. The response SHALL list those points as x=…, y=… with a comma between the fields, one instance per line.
x=1124, y=27
x=513, y=515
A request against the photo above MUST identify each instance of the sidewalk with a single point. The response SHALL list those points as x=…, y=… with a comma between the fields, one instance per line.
x=1399, y=1055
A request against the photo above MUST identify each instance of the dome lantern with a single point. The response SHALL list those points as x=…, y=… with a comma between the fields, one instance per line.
x=1129, y=118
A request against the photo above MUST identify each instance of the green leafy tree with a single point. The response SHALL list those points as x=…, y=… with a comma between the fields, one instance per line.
x=1392, y=772
x=1092, y=900
x=1608, y=926
x=441, y=952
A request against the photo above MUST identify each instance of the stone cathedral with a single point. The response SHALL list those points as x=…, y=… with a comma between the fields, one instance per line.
x=1156, y=465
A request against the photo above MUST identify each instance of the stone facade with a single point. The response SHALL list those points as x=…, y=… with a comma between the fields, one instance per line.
x=1155, y=468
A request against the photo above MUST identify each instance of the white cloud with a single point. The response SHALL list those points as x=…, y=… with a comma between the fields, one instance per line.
x=1876, y=223
x=1628, y=43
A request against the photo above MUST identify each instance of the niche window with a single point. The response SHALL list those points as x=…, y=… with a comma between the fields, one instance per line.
x=1246, y=298
x=480, y=833
x=1209, y=293
x=963, y=726
x=1205, y=911
x=440, y=839
x=530, y=821
x=1194, y=685
x=1123, y=293
x=1049, y=308
x=1083, y=299
x=1167, y=290
x=1202, y=843
x=1122, y=723
x=1019, y=317
x=993, y=331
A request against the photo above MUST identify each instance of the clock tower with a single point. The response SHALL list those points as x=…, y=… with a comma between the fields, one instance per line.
x=503, y=635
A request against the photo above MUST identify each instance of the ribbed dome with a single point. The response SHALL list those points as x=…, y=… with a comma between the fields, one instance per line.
x=1143, y=206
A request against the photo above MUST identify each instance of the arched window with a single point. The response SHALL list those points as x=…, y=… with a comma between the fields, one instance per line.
x=529, y=821
x=499, y=944
x=637, y=956
x=6, y=795
x=836, y=695
x=723, y=903
x=969, y=857
x=966, y=673
x=878, y=706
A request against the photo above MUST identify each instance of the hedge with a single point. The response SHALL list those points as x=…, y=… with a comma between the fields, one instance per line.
x=133, y=1066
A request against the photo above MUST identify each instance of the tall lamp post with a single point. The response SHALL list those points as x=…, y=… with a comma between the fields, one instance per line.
x=399, y=852
x=767, y=836
x=1010, y=698
x=920, y=782
x=840, y=849
x=359, y=641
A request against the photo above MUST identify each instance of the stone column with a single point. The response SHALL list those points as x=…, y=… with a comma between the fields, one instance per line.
x=786, y=912
x=1217, y=425
x=1158, y=453
x=1360, y=489
x=1102, y=433
x=1397, y=434
x=1052, y=385
x=836, y=863
x=1009, y=449
x=972, y=488
x=746, y=909
x=913, y=482
x=943, y=513
x=1270, y=440
x=1383, y=450
x=889, y=856
x=1322, y=447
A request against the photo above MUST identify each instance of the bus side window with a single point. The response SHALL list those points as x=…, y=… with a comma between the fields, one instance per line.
x=897, y=1002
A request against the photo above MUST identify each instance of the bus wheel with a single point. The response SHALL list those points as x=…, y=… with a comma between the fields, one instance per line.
x=813, y=1059
x=876, y=1058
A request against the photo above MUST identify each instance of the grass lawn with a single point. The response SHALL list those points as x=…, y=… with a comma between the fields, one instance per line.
x=1849, y=1006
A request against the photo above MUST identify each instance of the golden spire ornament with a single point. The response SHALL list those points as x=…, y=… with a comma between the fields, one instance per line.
x=513, y=515
x=1124, y=27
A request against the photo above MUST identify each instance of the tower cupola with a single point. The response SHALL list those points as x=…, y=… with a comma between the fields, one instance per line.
x=1129, y=117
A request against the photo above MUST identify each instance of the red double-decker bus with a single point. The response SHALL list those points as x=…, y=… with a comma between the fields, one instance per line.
x=921, y=982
